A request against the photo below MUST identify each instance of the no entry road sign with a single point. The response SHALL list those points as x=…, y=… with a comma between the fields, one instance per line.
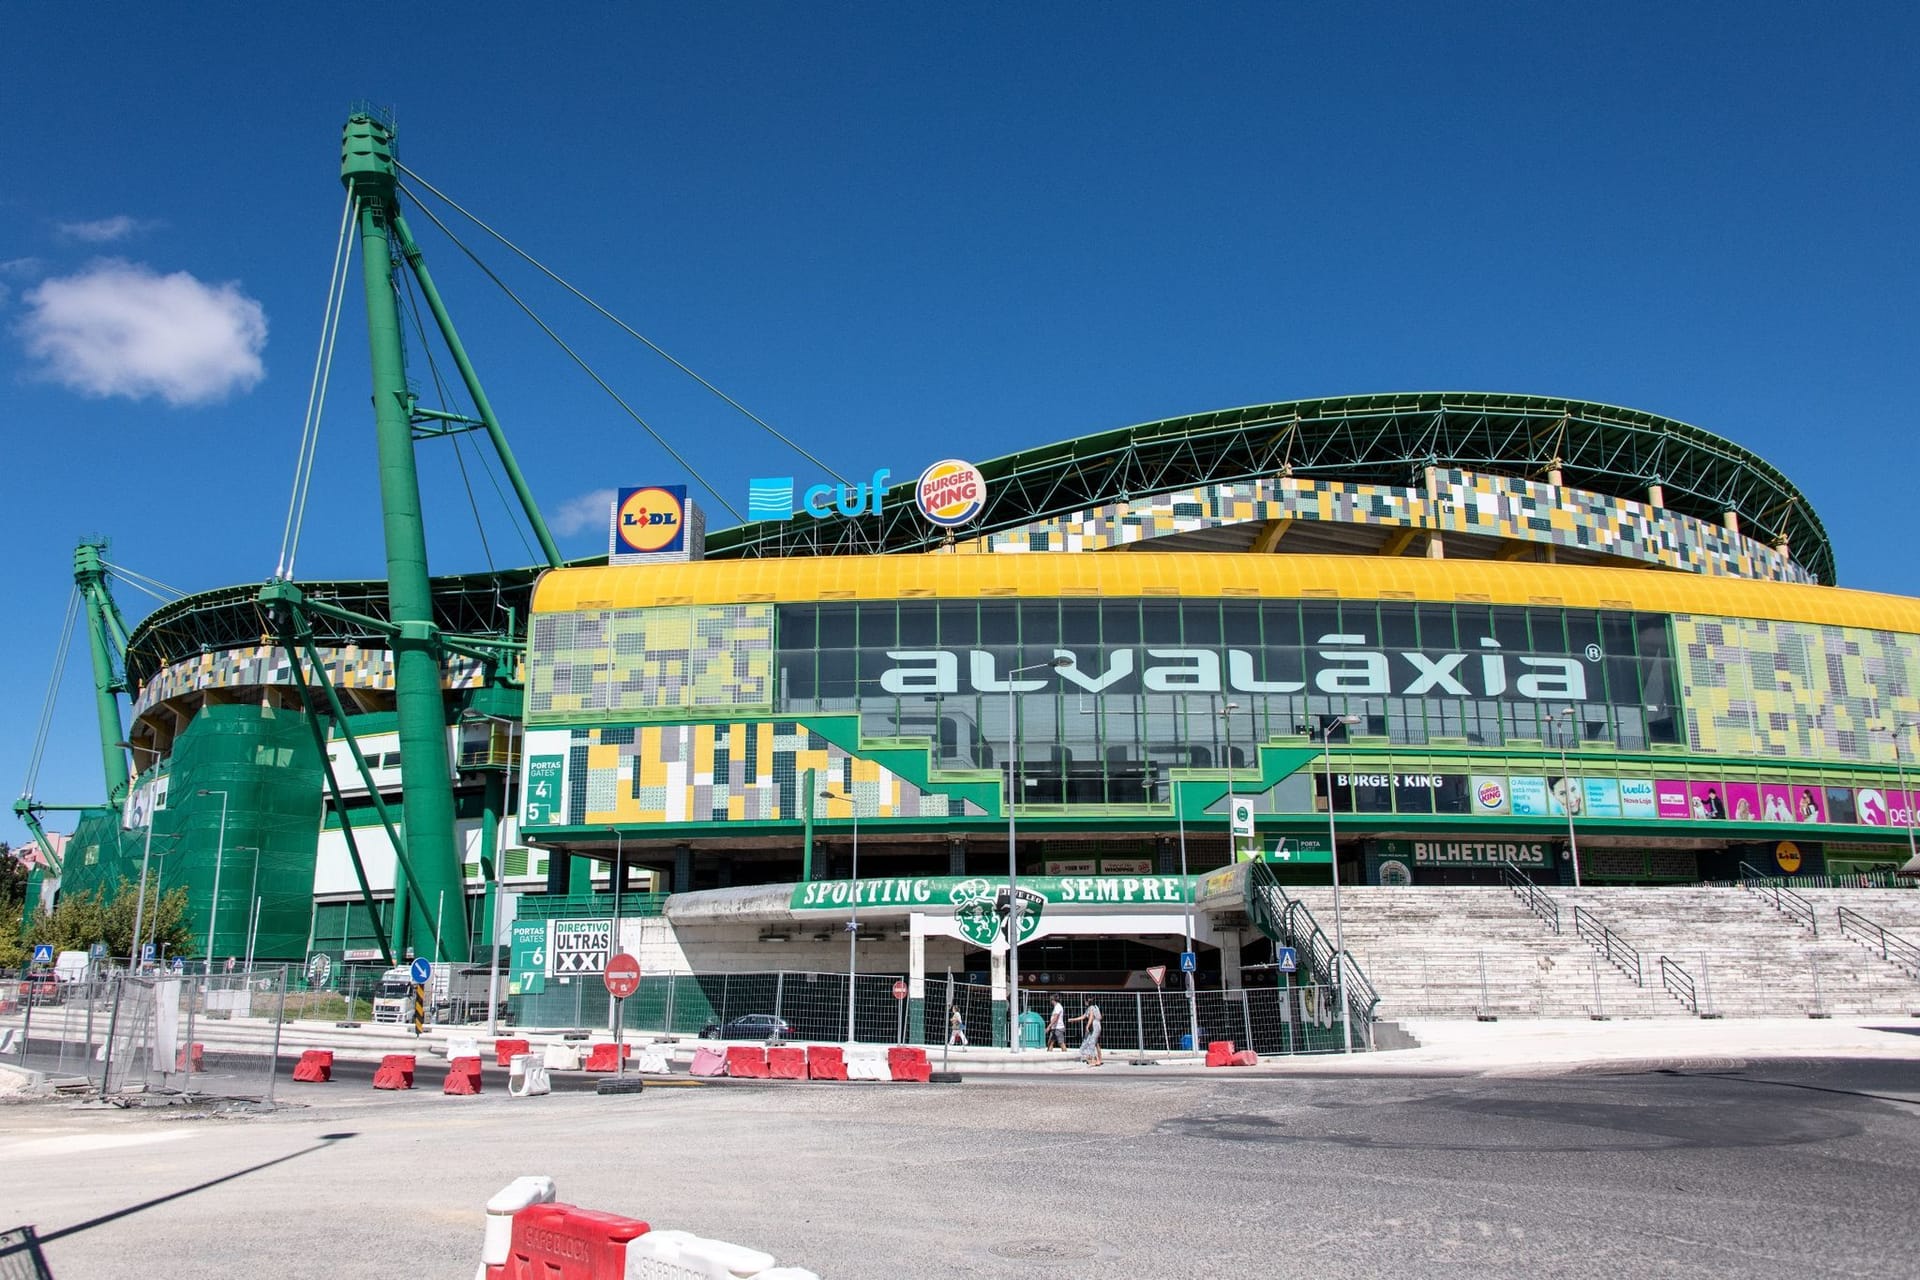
x=622, y=976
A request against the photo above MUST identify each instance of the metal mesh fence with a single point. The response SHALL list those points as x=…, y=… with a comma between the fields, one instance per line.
x=216, y=1035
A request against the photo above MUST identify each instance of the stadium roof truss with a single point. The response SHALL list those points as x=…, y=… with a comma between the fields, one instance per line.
x=1384, y=439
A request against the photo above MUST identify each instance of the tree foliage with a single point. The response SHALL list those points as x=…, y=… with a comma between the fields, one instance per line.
x=81, y=919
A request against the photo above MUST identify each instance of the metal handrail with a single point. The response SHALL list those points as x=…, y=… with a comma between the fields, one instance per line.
x=1531, y=895
x=1679, y=984
x=1785, y=900
x=1616, y=950
x=1893, y=948
x=1293, y=921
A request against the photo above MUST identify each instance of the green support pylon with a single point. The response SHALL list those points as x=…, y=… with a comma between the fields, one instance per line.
x=103, y=625
x=367, y=170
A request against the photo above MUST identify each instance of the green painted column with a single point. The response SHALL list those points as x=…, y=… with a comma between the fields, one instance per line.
x=91, y=577
x=367, y=170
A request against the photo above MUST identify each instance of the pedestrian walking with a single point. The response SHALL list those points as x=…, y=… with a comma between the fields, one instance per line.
x=1090, y=1043
x=1057, y=1026
x=956, y=1026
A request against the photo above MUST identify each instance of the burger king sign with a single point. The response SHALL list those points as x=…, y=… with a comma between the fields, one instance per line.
x=951, y=492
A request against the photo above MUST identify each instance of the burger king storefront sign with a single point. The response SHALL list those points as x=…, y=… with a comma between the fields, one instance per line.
x=951, y=492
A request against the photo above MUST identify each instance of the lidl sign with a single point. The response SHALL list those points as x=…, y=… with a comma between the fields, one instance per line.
x=650, y=520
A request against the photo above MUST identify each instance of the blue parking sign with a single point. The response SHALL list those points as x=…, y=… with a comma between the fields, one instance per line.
x=1189, y=962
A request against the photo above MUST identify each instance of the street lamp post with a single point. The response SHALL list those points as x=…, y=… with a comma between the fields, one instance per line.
x=1333, y=857
x=219, y=854
x=613, y=934
x=1899, y=735
x=853, y=923
x=253, y=900
x=1567, y=780
x=508, y=803
x=1013, y=872
x=1233, y=841
x=1193, y=1009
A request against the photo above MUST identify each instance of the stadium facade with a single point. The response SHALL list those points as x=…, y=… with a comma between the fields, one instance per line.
x=1443, y=619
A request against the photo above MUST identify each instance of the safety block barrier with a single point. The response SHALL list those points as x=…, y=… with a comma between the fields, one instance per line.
x=824, y=1062
x=191, y=1057
x=527, y=1076
x=9, y=1038
x=747, y=1061
x=463, y=1076
x=603, y=1058
x=651, y=1062
x=396, y=1072
x=503, y=1051
x=531, y=1236
x=908, y=1062
x=1244, y=1058
x=868, y=1066
x=561, y=1056
x=786, y=1062
x=1219, y=1053
x=462, y=1046
x=707, y=1062
x=315, y=1066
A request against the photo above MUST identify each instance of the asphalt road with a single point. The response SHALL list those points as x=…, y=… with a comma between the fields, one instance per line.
x=1722, y=1168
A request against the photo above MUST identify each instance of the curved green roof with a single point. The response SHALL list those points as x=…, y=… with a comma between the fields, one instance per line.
x=1387, y=438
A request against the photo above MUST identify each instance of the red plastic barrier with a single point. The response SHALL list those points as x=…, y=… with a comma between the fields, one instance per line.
x=748, y=1061
x=192, y=1057
x=826, y=1062
x=706, y=1062
x=315, y=1066
x=396, y=1072
x=503, y=1051
x=463, y=1077
x=908, y=1062
x=602, y=1058
x=563, y=1242
x=1244, y=1058
x=1219, y=1053
x=787, y=1063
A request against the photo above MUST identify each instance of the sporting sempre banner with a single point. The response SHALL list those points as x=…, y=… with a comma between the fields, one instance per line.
x=943, y=893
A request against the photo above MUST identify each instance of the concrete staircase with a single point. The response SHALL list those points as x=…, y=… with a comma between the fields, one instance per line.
x=1426, y=949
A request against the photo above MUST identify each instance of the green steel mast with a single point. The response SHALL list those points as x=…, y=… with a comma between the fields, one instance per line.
x=367, y=169
x=106, y=630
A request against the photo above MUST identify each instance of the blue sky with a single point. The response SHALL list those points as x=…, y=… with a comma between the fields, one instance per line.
x=903, y=232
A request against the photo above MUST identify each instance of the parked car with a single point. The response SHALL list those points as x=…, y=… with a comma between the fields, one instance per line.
x=751, y=1026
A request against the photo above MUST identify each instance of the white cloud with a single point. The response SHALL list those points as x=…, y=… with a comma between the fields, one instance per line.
x=121, y=328
x=588, y=511
x=102, y=230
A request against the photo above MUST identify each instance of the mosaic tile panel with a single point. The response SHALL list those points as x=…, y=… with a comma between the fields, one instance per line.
x=1756, y=687
x=1466, y=502
x=670, y=659
x=738, y=772
x=347, y=667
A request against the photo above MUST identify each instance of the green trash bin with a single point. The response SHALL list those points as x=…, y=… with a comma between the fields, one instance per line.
x=1033, y=1031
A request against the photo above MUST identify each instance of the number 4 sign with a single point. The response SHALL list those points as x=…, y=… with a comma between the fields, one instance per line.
x=541, y=805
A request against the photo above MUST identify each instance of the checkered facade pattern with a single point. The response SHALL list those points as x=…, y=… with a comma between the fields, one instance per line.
x=744, y=771
x=1463, y=502
x=665, y=660
x=1756, y=687
x=347, y=667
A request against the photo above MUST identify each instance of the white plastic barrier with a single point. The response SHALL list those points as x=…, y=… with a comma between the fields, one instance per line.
x=563, y=1056
x=868, y=1067
x=653, y=1063
x=462, y=1047
x=527, y=1077
x=680, y=1255
x=509, y=1200
x=6, y=1040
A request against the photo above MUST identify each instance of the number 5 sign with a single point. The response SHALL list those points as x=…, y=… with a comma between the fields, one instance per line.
x=540, y=806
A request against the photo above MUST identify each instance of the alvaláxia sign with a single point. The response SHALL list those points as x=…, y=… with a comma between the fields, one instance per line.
x=1342, y=665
